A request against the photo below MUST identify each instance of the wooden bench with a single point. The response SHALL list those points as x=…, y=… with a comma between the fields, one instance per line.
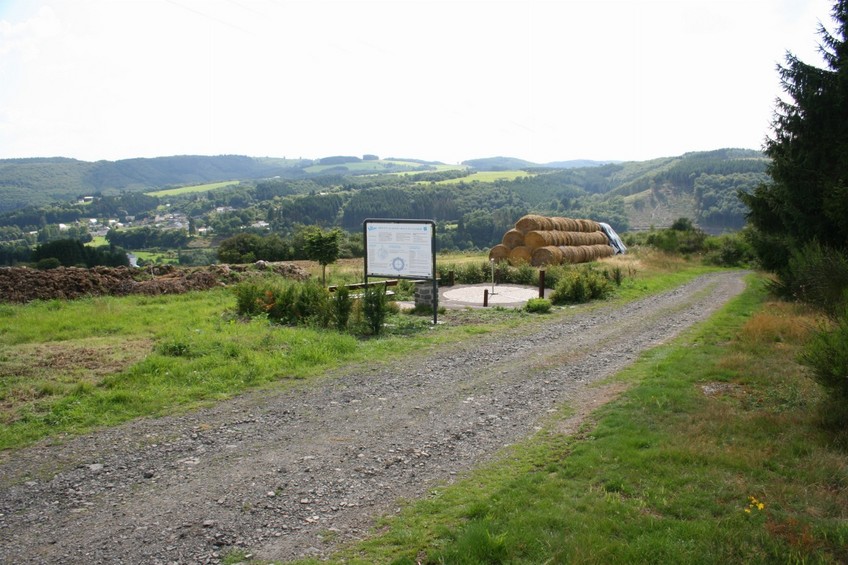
x=361, y=286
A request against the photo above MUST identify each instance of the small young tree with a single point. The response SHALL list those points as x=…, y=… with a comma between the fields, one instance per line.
x=323, y=247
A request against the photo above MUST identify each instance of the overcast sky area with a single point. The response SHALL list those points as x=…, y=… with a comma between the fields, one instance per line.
x=442, y=80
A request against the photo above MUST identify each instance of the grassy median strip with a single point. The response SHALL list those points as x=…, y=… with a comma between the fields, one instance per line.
x=713, y=455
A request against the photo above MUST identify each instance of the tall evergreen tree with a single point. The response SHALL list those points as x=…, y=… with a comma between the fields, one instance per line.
x=807, y=197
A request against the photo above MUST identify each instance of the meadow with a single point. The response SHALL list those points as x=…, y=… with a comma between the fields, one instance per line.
x=191, y=189
x=488, y=176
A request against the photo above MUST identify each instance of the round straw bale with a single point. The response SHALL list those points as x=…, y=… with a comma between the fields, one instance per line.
x=537, y=238
x=499, y=252
x=598, y=238
x=520, y=255
x=561, y=237
x=561, y=224
x=513, y=238
x=588, y=225
x=576, y=239
x=548, y=255
x=541, y=238
x=570, y=224
x=569, y=254
x=603, y=250
x=529, y=222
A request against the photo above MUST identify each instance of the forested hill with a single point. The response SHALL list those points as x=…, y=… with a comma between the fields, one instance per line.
x=41, y=181
x=474, y=202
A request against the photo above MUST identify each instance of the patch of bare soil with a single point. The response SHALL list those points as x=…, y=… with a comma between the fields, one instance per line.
x=22, y=284
x=289, y=474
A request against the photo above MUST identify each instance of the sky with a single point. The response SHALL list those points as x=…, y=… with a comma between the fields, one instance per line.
x=440, y=80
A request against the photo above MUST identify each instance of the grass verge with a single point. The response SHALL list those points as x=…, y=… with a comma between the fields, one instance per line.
x=713, y=455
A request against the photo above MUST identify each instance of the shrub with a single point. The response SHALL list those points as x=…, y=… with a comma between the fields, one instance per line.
x=375, y=307
x=249, y=298
x=473, y=273
x=285, y=302
x=817, y=275
x=524, y=274
x=538, y=306
x=730, y=250
x=48, y=263
x=312, y=304
x=342, y=305
x=581, y=285
x=826, y=354
x=686, y=239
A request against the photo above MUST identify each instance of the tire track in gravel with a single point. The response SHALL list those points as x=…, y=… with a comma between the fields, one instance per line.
x=282, y=475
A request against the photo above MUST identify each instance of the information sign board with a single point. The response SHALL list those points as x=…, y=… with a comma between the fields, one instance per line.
x=400, y=249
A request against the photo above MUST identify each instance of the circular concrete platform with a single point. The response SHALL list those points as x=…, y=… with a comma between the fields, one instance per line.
x=472, y=295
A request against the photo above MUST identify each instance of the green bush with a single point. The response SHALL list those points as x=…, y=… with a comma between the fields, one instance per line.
x=538, y=306
x=342, y=305
x=826, y=354
x=682, y=237
x=375, y=307
x=817, y=275
x=473, y=273
x=48, y=263
x=524, y=274
x=285, y=302
x=729, y=250
x=250, y=298
x=312, y=304
x=576, y=286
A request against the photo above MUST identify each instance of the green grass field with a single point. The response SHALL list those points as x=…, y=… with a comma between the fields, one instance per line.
x=191, y=188
x=488, y=176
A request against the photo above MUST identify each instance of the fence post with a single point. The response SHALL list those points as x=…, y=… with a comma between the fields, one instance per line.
x=542, y=283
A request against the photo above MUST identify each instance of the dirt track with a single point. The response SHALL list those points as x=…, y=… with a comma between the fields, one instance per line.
x=284, y=475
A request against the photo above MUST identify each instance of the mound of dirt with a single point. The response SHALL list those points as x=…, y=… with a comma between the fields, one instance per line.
x=22, y=284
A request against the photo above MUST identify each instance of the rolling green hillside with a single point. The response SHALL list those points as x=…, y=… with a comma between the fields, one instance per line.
x=41, y=181
x=229, y=195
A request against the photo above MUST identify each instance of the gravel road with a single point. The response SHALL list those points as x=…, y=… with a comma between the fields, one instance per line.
x=281, y=475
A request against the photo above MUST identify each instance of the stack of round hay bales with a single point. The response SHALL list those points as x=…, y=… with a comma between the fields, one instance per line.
x=542, y=240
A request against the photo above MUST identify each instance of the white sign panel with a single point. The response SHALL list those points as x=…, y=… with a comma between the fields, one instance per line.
x=399, y=249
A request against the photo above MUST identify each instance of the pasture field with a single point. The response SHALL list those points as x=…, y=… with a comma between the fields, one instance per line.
x=191, y=188
x=489, y=176
x=97, y=241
